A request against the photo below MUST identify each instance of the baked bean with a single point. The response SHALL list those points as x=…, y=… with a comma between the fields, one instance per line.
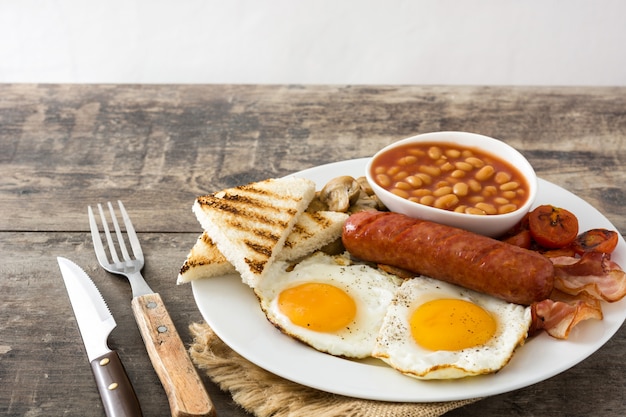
x=501, y=200
x=509, y=186
x=452, y=153
x=460, y=189
x=400, y=175
x=474, y=210
x=461, y=208
x=434, y=152
x=464, y=166
x=475, y=162
x=443, y=191
x=489, y=191
x=426, y=179
x=400, y=192
x=404, y=186
x=431, y=170
x=393, y=170
x=407, y=160
x=415, y=181
x=421, y=192
x=474, y=185
x=507, y=208
x=446, y=201
x=509, y=194
x=485, y=173
x=447, y=166
x=487, y=208
x=458, y=173
x=451, y=177
x=383, y=180
x=502, y=177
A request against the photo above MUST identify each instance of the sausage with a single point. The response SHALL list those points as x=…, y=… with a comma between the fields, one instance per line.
x=450, y=254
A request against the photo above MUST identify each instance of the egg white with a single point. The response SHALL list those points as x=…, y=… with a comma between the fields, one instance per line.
x=371, y=289
x=396, y=346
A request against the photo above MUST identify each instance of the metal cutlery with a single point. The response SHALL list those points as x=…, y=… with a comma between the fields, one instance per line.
x=95, y=323
x=185, y=391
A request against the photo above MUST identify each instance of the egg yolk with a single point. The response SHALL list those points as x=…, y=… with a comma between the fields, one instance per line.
x=451, y=324
x=317, y=306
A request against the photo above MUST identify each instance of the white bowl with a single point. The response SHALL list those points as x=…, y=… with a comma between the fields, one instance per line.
x=490, y=225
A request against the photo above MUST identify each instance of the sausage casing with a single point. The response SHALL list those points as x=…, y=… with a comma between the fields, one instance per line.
x=450, y=254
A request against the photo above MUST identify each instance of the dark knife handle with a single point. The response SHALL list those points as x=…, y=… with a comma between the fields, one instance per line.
x=116, y=391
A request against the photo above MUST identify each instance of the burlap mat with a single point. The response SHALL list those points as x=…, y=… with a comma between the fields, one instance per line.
x=266, y=395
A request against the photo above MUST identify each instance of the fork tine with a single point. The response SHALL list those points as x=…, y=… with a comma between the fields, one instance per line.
x=130, y=231
x=118, y=233
x=95, y=236
x=107, y=233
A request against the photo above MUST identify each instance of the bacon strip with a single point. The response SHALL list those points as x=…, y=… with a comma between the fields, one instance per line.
x=579, y=286
x=561, y=312
x=593, y=273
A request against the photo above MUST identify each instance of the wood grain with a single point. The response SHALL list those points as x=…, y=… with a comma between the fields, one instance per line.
x=185, y=391
x=156, y=147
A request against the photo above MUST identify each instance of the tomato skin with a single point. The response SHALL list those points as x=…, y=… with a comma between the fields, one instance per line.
x=596, y=240
x=552, y=227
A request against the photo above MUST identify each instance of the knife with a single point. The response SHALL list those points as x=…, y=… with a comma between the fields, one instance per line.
x=95, y=323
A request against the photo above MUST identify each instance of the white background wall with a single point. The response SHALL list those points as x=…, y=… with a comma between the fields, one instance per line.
x=532, y=42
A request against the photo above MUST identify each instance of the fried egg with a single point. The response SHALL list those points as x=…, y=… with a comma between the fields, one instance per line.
x=436, y=330
x=328, y=302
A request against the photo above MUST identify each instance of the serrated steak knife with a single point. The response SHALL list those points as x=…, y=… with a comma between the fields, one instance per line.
x=96, y=323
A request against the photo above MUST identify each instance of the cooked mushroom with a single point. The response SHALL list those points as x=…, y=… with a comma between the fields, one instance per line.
x=316, y=204
x=365, y=185
x=367, y=202
x=339, y=193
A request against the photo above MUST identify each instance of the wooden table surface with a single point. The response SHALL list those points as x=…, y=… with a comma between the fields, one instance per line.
x=156, y=147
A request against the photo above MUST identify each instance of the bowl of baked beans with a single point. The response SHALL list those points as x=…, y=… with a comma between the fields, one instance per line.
x=461, y=179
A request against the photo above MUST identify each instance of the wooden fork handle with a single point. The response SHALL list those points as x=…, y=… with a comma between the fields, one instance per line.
x=185, y=391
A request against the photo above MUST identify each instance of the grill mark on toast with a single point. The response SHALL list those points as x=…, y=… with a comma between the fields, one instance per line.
x=254, y=189
x=246, y=208
x=201, y=260
x=186, y=267
x=255, y=266
x=257, y=248
x=296, y=229
x=256, y=197
x=262, y=234
x=321, y=220
x=206, y=239
x=301, y=232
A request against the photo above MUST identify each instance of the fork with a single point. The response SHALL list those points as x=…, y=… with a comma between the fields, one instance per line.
x=186, y=393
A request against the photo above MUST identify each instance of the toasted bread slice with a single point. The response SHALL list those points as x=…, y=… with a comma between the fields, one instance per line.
x=311, y=232
x=204, y=261
x=250, y=223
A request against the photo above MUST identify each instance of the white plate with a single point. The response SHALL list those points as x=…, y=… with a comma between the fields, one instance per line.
x=232, y=310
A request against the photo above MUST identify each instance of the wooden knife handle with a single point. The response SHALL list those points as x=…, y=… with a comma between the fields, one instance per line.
x=117, y=393
x=185, y=391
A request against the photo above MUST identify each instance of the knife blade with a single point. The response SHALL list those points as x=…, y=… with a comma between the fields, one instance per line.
x=95, y=323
